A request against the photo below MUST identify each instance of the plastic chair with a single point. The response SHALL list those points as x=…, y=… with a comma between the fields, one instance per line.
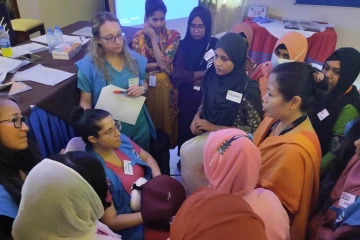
x=75, y=144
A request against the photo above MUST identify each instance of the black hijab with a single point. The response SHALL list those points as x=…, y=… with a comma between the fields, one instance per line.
x=195, y=49
x=216, y=108
x=336, y=100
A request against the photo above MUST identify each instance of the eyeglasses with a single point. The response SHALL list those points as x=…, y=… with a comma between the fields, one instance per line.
x=18, y=121
x=112, y=131
x=112, y=39
x=199, y=27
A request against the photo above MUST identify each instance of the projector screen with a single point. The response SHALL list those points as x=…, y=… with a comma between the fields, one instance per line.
x=132, y=12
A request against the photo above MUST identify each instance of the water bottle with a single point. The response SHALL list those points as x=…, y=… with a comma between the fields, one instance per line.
x=58, y=35
x=50, y=37
x=5, y=45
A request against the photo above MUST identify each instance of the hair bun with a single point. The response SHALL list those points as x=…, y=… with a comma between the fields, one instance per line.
x=76, y=115
x=318, y=76
x=321, y=83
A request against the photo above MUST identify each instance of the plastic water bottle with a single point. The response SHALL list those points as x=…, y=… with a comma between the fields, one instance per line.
x=58, y=35
x=50, y=37
x=5, y=45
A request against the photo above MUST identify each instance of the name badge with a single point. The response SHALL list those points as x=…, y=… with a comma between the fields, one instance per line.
x=323, y=114
x=152, y=81
x=197, y=88
x=234, y=96
x=346, y=199
x=134, y=82
x=209, y=55
x=128, y=168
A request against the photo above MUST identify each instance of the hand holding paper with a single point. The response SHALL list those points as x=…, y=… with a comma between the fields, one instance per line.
x=135, y=91
x=120, y=106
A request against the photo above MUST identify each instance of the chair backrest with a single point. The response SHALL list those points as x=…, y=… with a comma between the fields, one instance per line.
x=6, y=21
x=75, y=144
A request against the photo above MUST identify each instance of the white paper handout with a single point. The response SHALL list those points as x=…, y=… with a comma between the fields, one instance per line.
x=27, y=48
x=10, y=65
x=3, y=74
x=67, y=39
x=86, y=32
x=15, y=87
x=43, y=75
x=120, y=106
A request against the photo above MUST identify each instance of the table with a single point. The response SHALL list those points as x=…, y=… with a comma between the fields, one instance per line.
x=49, y=120
x=60, y=99
x=321, y=45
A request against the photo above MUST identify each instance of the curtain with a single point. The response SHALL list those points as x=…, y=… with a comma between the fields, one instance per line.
x=52, y=134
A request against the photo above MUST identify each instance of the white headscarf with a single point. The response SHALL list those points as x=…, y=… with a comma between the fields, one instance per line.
x=57, y=203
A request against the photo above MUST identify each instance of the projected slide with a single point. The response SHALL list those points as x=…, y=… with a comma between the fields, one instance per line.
x=132, y=12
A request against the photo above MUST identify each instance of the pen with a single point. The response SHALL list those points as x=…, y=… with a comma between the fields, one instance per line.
x=119, y=91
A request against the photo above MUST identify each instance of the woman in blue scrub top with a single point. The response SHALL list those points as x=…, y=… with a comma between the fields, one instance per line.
x=17, y=158
x=110, y=61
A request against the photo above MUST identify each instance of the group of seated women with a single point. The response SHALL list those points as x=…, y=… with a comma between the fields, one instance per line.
x=268, y=151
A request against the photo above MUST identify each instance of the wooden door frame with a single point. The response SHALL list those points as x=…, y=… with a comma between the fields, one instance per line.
x=15, y=8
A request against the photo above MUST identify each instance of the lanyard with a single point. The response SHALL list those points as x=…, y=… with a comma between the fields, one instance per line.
x=207, y=47
x=290, y=127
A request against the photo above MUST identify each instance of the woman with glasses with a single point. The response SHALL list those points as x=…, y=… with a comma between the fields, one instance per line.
x=124, y=163
x=18, y=155
x=159, y=46
x=111, y=62
x=189, y=68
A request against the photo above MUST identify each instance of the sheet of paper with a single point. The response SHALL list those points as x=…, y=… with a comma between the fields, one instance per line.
x=43, y=75
x=120, y=106
x=3, y=74
x=27, y=48
x=86, y=32
x=15, y=87
x=19, y=87
x=11, y=65
x=67, y=38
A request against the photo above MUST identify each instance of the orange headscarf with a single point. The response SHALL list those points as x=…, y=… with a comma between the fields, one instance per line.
x=297, y=46
x=247, y=30
x=209, y=215
x=243, y=28
x=232, y=164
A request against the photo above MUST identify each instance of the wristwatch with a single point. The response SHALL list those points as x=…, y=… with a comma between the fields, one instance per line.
x=144, y=89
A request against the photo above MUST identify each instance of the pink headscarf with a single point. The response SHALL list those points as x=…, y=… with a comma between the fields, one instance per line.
x=232, y=165
x=237, y=169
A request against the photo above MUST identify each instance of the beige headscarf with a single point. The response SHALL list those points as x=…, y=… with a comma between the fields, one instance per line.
x=247, y=30
x=57, y=203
